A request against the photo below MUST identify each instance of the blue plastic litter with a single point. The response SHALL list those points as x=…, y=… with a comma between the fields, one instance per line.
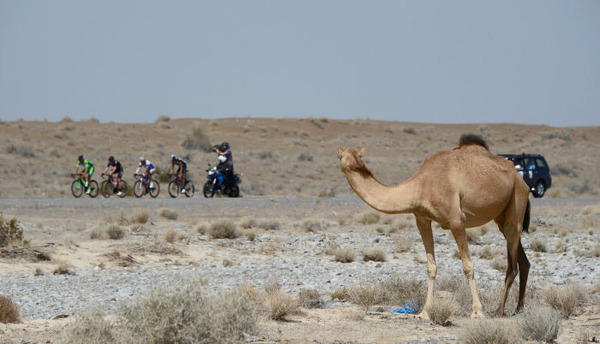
x=403, y=310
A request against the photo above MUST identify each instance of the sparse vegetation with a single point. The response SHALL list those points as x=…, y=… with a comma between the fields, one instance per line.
x=489, y=331
x=540, y=323
x=367, y=294
x=115, y=232
x=374, y=254
x=280, y=305
x=441, y=310
x=223, y=230
x=141, y=217
x=10, y=232
x=344, y=254
x=565, y=299
x=538, y=245
x=269, y=225
x=310, y=298
x=197, y=140
x=369, y=218
x=169, y=214
x=9, y=311
x=158, y=318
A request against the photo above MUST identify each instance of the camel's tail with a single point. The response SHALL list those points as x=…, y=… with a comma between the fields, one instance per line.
x=527, y=217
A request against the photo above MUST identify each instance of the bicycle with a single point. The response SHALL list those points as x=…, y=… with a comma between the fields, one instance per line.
x=143, y=186
x=108, y=186
x=78, y=185
x=174, y=187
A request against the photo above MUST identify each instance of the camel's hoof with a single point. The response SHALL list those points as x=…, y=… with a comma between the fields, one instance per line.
x=423, y=316
x=477, y=315
x=519, y=310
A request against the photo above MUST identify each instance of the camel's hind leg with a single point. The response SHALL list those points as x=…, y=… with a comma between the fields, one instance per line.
x=523, y=275
x=427, y=237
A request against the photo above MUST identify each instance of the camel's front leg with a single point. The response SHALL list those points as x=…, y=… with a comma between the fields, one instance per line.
x=427, y=236
x=463, y=248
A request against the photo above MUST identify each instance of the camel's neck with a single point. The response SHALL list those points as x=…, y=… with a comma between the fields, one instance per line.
x=388, y=199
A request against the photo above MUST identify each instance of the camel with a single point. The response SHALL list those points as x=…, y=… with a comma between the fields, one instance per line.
x=460, y=188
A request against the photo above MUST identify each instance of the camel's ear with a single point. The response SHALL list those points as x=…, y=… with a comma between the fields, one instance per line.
x=361, y=152
x=340, y=151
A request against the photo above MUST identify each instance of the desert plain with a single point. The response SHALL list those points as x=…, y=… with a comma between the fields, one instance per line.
x=295, y=209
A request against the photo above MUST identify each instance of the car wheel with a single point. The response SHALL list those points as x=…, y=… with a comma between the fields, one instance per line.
x=540, y=190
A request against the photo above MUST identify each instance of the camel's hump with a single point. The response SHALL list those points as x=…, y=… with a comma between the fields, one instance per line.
x=472, y=139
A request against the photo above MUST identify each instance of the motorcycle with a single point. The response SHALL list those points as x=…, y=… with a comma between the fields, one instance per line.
x=229, y=187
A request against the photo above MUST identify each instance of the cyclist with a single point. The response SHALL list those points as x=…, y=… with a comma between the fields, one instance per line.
x=181, y=170
x=115, y=168
x=86, y=174
x=147, y=167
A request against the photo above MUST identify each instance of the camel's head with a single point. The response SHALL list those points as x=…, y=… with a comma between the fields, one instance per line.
x=351, y=159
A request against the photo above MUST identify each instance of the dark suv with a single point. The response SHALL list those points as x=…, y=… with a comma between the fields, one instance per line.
x=534, y=170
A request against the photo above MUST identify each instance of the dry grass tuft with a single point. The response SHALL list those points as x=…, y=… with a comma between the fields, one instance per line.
x=374, y=254
x=492, y=331
x=223, y=230
x=367, y=295
x=10, y=232
x=197, y=140
x=441, y=310
x=280, y=305
x=540, y=323
x=169, y=214
x=184, y=315
x=310, y=298
x=9, y=311
x=140, y=217
x=115, y=232
x=537, y=245
x=403, y=290
x=369, y=218
x=565, y=299
x=344, y=254
x=269, y=225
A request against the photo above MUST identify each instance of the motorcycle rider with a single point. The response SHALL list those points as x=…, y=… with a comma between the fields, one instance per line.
x=115, y=167
x=225, y=166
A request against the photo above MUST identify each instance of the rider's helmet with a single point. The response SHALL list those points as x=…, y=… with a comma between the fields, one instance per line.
x=80, y=158
x=222, y=158
x=225, y=146
x=173, y=157
x=111, y=158
x=142, y=159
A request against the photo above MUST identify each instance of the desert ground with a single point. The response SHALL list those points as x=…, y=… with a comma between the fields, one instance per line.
x=296, y=208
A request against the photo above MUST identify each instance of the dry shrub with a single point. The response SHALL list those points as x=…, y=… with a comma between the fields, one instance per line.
x=197, y=140
x=404, y=244
x=63, y=269
x=537, y=245
x=223, y=230
x=374, y=254
x=591, y=210
x=369, y=218
x=540, y=323
x=367, y=295
x=140, y=217
x=405, y=290
x=10, y=232
x=344, y=254
x=499, y=263
x=98, y=233
x=172, y=236
x=115, y=232
x=490, y=331
x=280, y=305
x=565, y=299
x=250, y=235
x=184, y=315
x=459, y=287
x=158, y=246
x=9, y=311
x=475, y=233
x=312, y=226
x=248, y=223
x=169, y=214
x=441, y=309
x=341, y=294
x=272, y=225
x=163, y=118
x=310, y=298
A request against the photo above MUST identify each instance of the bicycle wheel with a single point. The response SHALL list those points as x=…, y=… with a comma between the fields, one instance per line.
x=208, y=190
x=106, y=188
x=94, y=189
x=173, y=189
x=189, y=188
x=138, y=189
x=154, y=190
x=77, y=188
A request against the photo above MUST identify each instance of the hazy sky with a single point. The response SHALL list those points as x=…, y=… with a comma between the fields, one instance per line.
x=531, y=62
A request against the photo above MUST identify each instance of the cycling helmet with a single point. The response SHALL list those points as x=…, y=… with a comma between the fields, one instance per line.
x=80, y=158
x=111, y=158
x=142, y=158
x=173, y=157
